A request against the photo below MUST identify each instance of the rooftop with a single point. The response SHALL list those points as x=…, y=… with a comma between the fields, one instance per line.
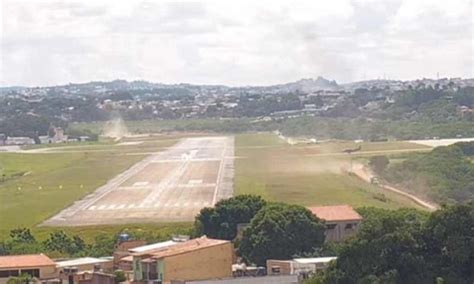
x=188, y=246
x=315, y=260
x=27, y=260
x=335, y=213
x=81, y=261
x=152, y=247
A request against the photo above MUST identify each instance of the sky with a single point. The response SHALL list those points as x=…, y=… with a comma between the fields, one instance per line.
x=49, y=42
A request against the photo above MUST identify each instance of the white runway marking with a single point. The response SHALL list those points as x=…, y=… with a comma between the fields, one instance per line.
x=141, y=183
x=194, y=173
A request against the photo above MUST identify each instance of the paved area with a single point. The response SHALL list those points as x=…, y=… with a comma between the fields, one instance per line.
x=441, y=142
x=172, y=185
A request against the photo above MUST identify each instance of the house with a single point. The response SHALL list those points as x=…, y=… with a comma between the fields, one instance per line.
x=303, y=267
x=342, y=221
x=197, y=259
x=38, y=266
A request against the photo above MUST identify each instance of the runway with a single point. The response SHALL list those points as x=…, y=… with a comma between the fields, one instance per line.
x=168, y=186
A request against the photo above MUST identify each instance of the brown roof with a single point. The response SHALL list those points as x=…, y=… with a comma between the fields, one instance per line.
x=27, y=260
x=335, y=213
x=188, y=246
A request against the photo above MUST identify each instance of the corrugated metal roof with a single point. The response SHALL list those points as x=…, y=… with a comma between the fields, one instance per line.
x=152, y=247
x=314, y=260
x=81, y=261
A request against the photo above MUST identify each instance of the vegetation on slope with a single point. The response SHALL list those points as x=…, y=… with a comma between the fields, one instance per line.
x=446, y=174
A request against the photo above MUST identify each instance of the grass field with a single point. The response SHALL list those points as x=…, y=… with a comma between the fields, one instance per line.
x=36, y=186
x=309, y=174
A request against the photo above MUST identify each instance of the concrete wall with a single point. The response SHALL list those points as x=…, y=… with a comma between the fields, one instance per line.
x=207, y=263
x=340, y=232
x=284, y=265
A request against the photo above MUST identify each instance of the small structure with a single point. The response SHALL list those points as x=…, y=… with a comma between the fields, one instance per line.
x=86, y=264
x=197, y=259
x=19, y=141
x=342, y=221
x=39, y=266
x=302, y=267
x=270, y=279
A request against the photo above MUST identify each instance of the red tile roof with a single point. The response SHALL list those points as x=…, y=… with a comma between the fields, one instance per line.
x=27, y=260
x=188, y=246
x=336, y=213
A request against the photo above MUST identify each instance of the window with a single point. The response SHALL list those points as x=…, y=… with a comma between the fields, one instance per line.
x=8, y=273
x=275, y=269
x=330, y=226
x=32, y=272
x=348, y=226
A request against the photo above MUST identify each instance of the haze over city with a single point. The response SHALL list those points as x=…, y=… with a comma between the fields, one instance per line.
x=51, y=42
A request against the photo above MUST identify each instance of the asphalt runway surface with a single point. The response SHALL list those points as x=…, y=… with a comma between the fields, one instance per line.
x=173, y=185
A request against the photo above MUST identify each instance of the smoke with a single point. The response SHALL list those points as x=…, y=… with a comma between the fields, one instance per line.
x=116, y=128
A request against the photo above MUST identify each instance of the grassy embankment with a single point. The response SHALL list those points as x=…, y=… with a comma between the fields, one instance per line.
x=310, y=174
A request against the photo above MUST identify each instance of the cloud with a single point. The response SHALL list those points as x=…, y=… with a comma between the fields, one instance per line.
x=236, y=43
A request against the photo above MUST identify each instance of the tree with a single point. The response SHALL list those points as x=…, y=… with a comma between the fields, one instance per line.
x=221, y=221
x=449, y=243
x=378, y=163
x=406, y=246
x=61, y=242
x=22, y=235
x=22, y=279
x=119, y=276
x=280, y=231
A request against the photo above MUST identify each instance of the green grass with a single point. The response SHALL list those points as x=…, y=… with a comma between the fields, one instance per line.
x=308, y=174
x=35, y=186
x=158, y=231
x=54, y=182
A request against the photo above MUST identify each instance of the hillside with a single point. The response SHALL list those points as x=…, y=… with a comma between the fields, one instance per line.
x=446, y=174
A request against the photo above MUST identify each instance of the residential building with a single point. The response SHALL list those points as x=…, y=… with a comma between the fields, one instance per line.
x=38, y=266
x=342, y=221
x=197, y=259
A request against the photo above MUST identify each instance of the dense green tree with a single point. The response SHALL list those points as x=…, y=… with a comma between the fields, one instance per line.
x=221, y=220
x=448, y=238
x=447, y=173
x=280, y=231
x=60, y=242
x=406, y=246
x=22, y=235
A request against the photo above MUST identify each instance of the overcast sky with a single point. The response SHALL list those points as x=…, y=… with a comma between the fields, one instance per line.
x=233, y=42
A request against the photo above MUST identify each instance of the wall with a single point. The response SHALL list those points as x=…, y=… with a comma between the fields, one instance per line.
x=207, y=263
x=340, y=232
x=285, y=266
